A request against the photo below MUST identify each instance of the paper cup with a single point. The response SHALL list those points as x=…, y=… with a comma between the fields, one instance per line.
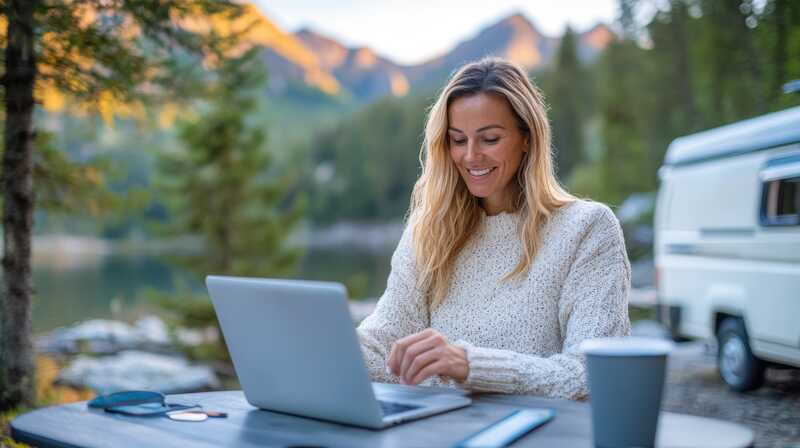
x=626, y=382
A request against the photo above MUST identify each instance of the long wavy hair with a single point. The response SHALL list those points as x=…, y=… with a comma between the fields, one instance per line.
x=443, y=214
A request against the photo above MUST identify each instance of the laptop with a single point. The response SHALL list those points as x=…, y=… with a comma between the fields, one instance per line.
x=295, y=350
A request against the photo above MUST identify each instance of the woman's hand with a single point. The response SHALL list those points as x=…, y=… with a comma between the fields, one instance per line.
x=419, y=356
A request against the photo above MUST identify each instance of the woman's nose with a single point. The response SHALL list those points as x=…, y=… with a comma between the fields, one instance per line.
x=472, y=152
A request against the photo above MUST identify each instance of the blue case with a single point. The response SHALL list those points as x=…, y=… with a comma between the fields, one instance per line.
x=508, y=429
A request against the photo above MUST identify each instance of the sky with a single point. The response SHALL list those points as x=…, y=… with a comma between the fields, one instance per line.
x=412, y=31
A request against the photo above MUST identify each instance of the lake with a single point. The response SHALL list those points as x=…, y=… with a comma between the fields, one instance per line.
x=70, y=290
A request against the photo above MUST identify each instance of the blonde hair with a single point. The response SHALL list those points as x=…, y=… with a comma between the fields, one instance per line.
x=443, y=214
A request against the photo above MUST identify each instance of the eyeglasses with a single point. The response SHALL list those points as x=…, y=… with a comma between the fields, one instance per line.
x=138, y=403
x=127, y=398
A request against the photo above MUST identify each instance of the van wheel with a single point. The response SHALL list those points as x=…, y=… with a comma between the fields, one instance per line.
x=737, y=364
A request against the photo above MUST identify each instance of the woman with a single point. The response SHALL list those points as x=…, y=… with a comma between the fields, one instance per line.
x=500, y=273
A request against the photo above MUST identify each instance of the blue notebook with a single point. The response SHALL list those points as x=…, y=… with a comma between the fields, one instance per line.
x=508, y=429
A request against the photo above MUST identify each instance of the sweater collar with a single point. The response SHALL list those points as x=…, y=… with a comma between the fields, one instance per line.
x=501, y=224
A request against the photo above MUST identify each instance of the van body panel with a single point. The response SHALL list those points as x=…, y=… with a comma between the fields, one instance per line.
x=776, y=352
x=747, y=136
x=730, y=185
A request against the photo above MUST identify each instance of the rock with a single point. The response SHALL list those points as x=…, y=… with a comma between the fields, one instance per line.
x=152, y=329
x=104, y=336
x=194, y=336
x=135, y=370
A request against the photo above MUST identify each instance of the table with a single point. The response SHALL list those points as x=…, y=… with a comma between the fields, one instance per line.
x=74, y=425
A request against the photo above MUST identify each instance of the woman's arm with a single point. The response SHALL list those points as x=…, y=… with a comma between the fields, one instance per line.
x=401, y=311
x=593, y=303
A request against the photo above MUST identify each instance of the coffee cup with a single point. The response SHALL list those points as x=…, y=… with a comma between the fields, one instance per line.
x=626, y=383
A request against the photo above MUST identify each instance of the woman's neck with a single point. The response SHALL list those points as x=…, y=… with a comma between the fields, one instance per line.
x=505, y=203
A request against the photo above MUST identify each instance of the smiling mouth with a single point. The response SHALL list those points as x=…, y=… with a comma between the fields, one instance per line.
x=480, y=173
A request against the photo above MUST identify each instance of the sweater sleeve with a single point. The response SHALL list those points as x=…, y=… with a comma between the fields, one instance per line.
x=400, y=311
x=593, y=303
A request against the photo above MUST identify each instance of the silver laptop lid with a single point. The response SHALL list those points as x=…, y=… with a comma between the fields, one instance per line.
x=294, y=347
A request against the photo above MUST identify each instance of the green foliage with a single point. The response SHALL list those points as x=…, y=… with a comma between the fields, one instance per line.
x=5, y=428
x=365, y=168
x=706, y=64
x=220, y=188
x=570, y=92
x=625, y=166
x=99, y=52
x=133, y=50
x=185, y=309
x=65, y=186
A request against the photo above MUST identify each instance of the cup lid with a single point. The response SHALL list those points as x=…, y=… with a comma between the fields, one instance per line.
x=626, y=346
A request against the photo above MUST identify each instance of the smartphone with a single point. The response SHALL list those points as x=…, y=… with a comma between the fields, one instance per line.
x=508, y=429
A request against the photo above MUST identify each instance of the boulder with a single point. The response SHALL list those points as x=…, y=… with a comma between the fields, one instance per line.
x=104, y=336
x=136, y=370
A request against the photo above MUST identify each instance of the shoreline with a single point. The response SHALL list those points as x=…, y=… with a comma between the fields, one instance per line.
x=371, y=237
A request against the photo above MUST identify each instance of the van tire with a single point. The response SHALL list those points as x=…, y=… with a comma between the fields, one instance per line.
x=737, y=365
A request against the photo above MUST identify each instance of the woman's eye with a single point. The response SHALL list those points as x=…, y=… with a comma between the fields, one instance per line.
x=491, y=141
x=459, y=142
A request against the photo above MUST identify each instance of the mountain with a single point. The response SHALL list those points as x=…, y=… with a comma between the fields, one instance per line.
x=594, y=41
x=364, y=73
x=514, y=38
x=287, y=58
x=306, y=59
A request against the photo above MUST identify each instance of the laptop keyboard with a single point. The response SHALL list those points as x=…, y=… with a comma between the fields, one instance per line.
x=390, y=408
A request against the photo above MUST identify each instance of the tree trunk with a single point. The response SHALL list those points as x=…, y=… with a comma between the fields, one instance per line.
x=683, y=70
x=16, y=351
x=781, y=55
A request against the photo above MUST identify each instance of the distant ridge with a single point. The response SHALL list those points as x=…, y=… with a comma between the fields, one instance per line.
x=323, y=63
x=366, y=74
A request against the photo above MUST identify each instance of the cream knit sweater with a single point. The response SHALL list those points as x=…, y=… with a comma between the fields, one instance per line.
x=520, y=336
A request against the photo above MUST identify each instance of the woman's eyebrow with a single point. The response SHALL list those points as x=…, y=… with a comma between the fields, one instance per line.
x=450, y=128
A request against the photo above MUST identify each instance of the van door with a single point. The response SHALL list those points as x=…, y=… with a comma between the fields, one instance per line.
x=773, y=309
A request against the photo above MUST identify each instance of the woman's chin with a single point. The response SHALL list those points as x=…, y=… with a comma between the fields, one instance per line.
x=481, y=193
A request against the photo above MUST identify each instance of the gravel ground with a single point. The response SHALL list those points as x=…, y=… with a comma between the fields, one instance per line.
x=772, y=412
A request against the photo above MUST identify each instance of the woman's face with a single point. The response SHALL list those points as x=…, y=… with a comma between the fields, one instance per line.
x=487, y=146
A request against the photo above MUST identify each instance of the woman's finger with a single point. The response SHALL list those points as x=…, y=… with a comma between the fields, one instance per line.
x=416, y=350
x=435, y=368
x=420, y=362
x=400, y=346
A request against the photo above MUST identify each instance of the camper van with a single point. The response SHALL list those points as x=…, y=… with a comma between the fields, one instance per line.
x=727, y=243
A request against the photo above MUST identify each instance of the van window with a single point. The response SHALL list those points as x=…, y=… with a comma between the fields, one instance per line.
x=781, y=202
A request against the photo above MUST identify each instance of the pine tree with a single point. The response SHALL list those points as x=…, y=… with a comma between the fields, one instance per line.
x=570, y=105
x=96, y=51
x=221, y=190
x=733, y=67
x=220, y=185
x=625, y=162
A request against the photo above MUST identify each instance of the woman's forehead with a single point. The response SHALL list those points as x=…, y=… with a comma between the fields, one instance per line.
x=469, y=113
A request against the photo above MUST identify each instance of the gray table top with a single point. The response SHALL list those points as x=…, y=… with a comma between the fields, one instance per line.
x=74, y=425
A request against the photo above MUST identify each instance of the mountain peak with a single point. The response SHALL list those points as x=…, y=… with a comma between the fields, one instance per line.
x=306, y=31
x=364, y=57
x=598, y=37
x=519, y=23
x=327, y=64
x=329, y=51
x=513, y=37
